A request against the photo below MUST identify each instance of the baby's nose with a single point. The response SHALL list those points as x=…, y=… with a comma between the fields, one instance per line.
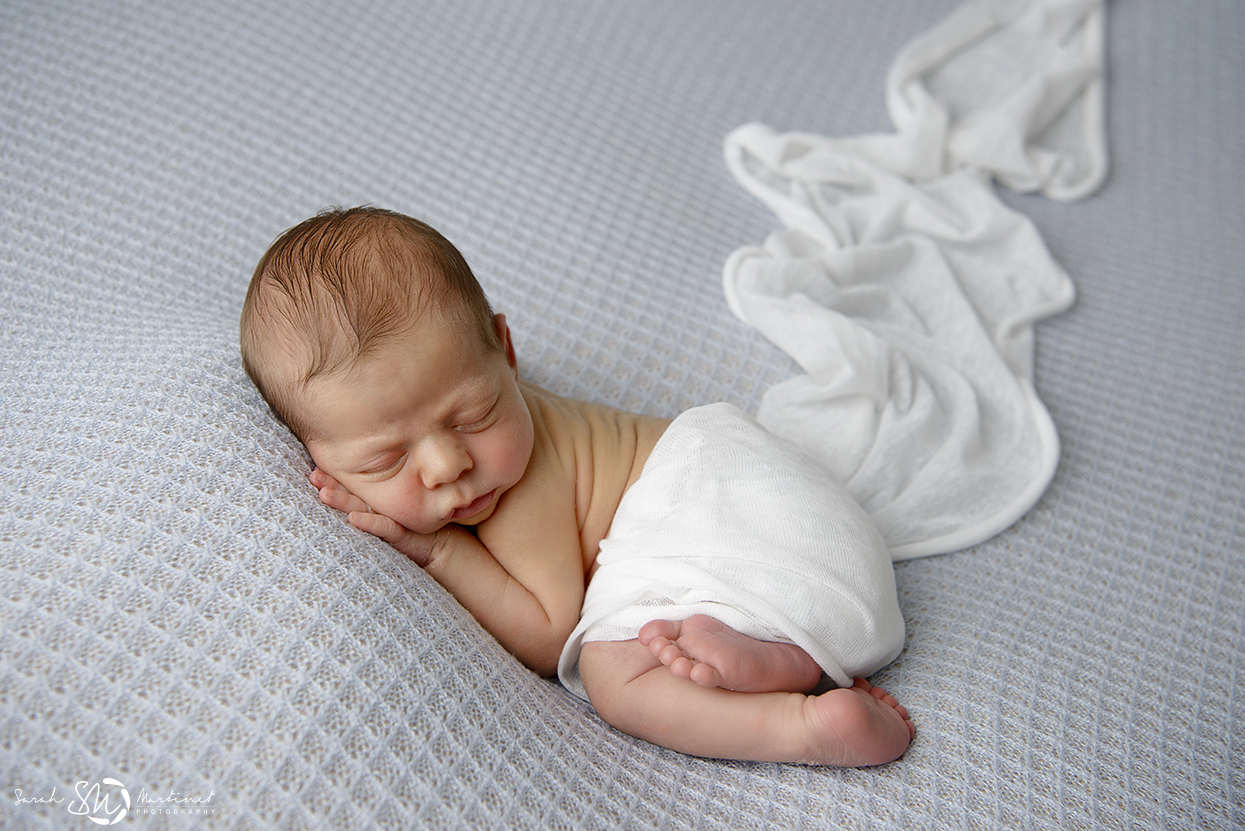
x=443, y=462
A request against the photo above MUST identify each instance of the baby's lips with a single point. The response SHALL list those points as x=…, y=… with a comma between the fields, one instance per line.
x=473, y=507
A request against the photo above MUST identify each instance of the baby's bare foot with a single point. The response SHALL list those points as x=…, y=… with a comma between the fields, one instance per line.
x=712, y=654
x=857, y=726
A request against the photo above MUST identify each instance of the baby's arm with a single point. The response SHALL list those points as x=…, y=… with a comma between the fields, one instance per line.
x=530, y=611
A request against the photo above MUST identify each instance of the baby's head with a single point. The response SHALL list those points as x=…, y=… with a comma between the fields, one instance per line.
x=342, y=286
x=368, y=335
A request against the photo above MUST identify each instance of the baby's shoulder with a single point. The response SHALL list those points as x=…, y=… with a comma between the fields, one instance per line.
x=597, y=435
x=602, y=449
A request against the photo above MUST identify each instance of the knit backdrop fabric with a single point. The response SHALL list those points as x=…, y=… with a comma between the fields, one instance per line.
x=180, y=615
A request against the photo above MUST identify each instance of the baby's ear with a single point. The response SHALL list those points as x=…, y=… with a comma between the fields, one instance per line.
x=507, y=345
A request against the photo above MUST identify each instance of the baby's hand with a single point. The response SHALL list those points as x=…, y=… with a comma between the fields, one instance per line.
x=419, y=547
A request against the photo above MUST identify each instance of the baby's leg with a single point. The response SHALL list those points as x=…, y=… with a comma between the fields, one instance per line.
x=707, y=651
x=633, y=691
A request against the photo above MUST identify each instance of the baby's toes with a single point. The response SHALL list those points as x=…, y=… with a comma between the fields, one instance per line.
x=877, y=692
x=706, y=676
x=669, y=653
x=668, y=630
x=890, y=701
x=680, y=667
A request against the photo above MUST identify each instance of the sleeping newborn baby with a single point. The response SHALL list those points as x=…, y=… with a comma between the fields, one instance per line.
x=693, y=579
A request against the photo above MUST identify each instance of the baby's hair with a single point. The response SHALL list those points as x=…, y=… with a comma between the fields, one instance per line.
x=341, y=285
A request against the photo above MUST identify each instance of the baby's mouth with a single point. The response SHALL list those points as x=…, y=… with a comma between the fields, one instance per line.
x=475, y=507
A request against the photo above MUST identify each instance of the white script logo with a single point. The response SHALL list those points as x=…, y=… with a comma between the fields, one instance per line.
x=96, y=803
x=108, y=802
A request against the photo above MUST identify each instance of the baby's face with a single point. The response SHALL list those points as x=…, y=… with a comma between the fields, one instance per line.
x=432, y=430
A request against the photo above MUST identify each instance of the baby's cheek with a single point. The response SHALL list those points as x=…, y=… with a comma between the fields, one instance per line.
x=512, y=454
x=399, y=505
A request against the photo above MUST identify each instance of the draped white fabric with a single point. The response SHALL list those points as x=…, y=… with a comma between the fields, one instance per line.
x=908, y=291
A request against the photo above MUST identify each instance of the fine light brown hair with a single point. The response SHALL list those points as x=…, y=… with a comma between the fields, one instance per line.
x=340, y=286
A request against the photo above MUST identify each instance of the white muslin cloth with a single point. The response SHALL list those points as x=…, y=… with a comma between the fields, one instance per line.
x=907, y=291
x=733, y=522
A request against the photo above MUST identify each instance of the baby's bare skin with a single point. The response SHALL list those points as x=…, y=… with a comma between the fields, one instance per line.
x=707, y=651
x=407, y=449
x=858, y=725
x=634, y=691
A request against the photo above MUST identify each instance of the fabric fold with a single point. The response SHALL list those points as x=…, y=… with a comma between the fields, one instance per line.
x=730, y=521
x=908, y=291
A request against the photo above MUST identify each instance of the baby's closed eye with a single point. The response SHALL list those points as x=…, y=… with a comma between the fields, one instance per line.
x=387, y=464
x=476, y=420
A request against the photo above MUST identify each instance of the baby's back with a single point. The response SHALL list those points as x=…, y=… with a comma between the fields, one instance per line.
x=605, y=448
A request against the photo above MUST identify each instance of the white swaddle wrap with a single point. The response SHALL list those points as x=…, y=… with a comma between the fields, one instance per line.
x=731, y=521
x=908, y=291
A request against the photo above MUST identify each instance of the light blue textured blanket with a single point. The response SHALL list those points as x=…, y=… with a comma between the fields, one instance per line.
x=180, y=615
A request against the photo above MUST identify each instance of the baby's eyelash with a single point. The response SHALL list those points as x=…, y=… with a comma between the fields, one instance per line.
x=479, y=422
x=376, y=471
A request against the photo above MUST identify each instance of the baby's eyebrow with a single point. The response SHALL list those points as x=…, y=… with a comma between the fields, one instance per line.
x=471, y=394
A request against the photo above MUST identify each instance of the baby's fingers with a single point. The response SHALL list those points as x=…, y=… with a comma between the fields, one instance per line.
x=320, y=480
x=338, y=498
x=416, y=546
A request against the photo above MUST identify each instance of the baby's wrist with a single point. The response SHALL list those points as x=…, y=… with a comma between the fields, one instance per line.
x=435, y=547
